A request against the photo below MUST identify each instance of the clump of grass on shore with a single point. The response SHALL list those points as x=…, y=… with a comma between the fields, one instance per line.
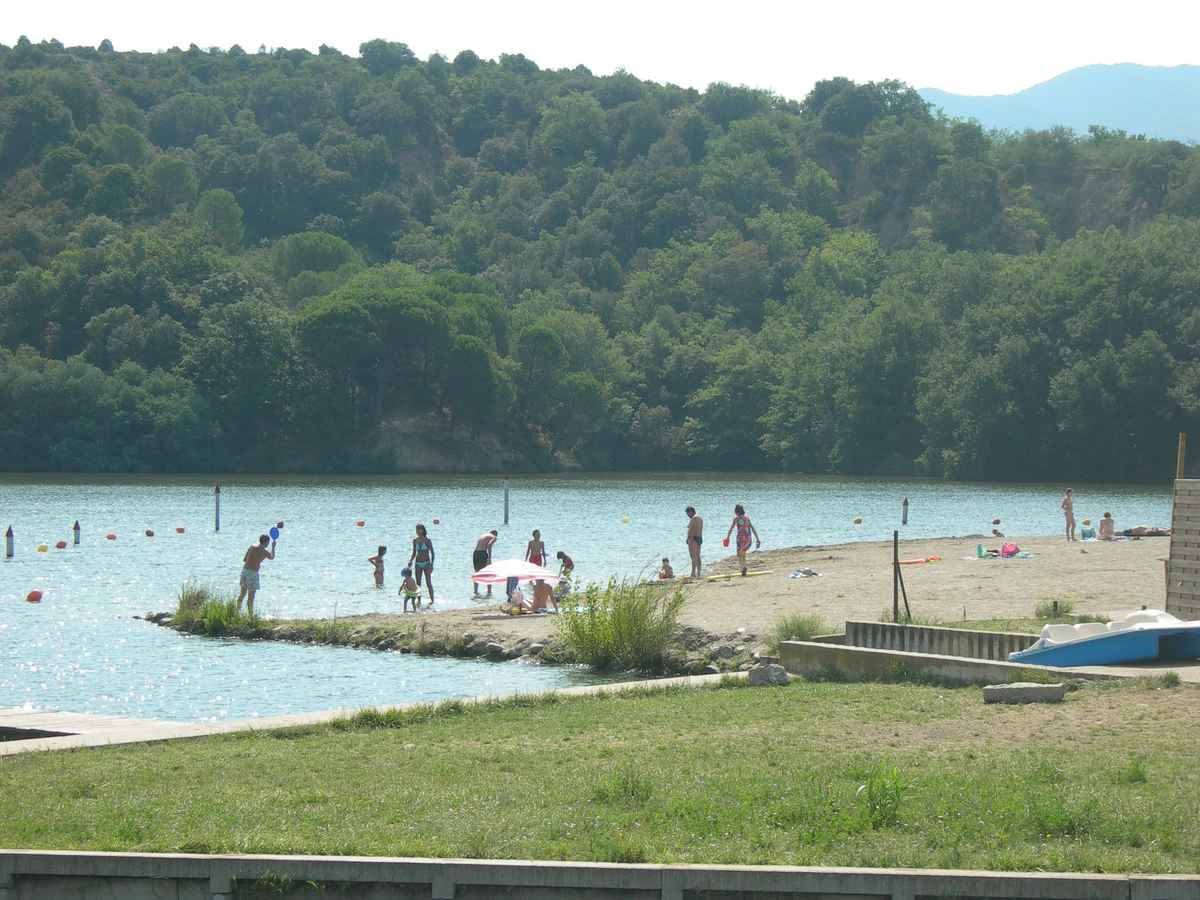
x=202, y=610
x=625, y=625
x=795, y=627
x=1054, y=608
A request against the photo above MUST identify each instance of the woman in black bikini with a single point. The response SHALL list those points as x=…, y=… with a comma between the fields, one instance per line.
x=421, y=560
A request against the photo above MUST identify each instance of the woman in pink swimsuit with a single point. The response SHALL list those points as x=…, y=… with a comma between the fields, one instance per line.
x=745, y=528
x=535, y=550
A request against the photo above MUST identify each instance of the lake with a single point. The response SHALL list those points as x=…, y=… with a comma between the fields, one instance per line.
x=81, y=650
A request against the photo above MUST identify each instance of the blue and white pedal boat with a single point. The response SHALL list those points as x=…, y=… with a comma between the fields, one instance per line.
x=1146, y=634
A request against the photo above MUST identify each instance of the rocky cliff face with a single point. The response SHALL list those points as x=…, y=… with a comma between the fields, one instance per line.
x=426, y=443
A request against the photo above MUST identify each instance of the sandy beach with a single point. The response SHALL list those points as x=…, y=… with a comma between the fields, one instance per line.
x=855, y=582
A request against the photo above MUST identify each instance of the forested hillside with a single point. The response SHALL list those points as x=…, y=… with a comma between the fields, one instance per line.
x=215, y=260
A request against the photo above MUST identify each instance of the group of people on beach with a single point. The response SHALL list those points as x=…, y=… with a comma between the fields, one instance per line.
x=419, y=569
x=1107, y=526
x=694, y=537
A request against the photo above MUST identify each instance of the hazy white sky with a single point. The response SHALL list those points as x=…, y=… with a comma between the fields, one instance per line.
x=966, y=46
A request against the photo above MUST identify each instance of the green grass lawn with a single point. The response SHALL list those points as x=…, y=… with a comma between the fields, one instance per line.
x=813, y=773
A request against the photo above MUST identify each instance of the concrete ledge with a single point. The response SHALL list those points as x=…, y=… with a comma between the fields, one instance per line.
x=994, y=645
x=1024, y=692
x=812, y=658
x=137, y=875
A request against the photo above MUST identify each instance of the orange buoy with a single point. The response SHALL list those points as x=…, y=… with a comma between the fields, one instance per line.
x=33, y=597
x=61, y=545
x=179, y=529
x=110, y=536
x=361, y=522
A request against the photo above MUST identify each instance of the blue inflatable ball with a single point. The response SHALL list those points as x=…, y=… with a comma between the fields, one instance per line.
x=274, y=532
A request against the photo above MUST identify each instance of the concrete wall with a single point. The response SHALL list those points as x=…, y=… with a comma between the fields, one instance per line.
x=1183, y=567
x=133, y=876
x=945, y=641
x=811, y=658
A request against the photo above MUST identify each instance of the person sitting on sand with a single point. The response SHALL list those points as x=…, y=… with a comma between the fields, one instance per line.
x=410, y=590
x=666, y=573
x=377, y=562
x=1108, y=527
x=516, y=600
x=543, y=597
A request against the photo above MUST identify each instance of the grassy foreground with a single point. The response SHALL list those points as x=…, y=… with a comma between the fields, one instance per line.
x=813, y=773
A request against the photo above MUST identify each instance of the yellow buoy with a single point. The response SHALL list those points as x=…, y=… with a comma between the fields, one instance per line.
x=42, y=548
x=624, y=520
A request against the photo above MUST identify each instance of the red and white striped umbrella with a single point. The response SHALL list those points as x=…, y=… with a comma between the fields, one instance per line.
x=500, y=572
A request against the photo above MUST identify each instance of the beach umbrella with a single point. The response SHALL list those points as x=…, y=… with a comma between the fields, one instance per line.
x=500, y=572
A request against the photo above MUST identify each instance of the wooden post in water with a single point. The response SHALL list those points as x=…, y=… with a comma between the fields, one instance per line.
x=505, y=501
x=75, y=528
x=895, y=576
x=216, y=507
x=8, y=543
x=1181, y=454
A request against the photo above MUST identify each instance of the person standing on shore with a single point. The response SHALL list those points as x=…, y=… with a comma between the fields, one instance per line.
x=745, y=528
x=421, y=560
x=535, y=550
x=1068, y=508
x=250, y=562
x=377, y=562
x=482, y=557
x=695, y=537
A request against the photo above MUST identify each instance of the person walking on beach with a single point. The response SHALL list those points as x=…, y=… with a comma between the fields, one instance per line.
x=535, y=550
x=377, y=562
x=745, y=528
x=1068, y=508
x=250, y=562
x=695, y=537
x=422, y=559
x=482, y=557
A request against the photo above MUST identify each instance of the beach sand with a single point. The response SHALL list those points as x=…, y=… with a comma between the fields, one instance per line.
x=855, y=582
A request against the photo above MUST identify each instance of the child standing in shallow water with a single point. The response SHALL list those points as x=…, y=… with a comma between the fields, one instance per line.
x=410, y=591
x=377, y=562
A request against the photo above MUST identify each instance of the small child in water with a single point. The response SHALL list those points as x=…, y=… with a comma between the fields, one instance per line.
x=666, y=573
x=410, y=591
x=377, y=562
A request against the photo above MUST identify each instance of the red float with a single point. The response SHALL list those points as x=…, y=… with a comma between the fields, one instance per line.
x=180, y=530
x=33, y=597
x=61, y=545
x=110, y=537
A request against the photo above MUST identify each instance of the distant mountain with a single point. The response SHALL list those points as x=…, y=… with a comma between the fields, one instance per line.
x=1157, y=101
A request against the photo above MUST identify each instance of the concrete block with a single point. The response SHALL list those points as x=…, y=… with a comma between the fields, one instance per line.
x=1024, y=692
x=769, y=674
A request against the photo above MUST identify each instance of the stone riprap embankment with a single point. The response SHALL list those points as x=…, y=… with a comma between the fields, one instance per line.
x=482, y=636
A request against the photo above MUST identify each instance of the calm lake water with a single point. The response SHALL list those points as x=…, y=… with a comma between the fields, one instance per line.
x=81, y=650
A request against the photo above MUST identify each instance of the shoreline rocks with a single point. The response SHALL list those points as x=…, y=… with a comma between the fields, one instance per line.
x=693, y=652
